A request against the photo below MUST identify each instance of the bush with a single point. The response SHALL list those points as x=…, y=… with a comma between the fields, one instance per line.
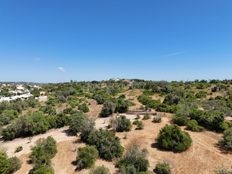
x=157, y=119
x=172, y=138
x=86, y=157
x=83, y=108
x=100, y=170
x=121, y=105
x=7, y=115
x=139, y=125
x=223, y=171
x=108, y=109
x=8, y=165
x=162, y=168
x=43, y=152
x=148, y=102
x=18, y=149
x=226, y=142
x=77, y=121
x=180, y=120
x=121, y=124
x=193, y=126
x=25, y=126
x=44, y=169
x=87, y=129
x=107, y=144
x=134, y=161
x=146, y=117
x=15, y=164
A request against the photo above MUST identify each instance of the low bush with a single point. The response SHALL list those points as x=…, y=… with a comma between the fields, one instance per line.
x=162, y=168
x=83, y=108
x=157, y=119
x=41, y=156
x=193, y=126
x=86, y=157
x=8, y=165
x=172, y=138
x=107, y=144
x=180, y=120
x=121, y=124
x=18, y=149
x=77, y=121
x=139, y=125
x=146, y=117
x=226, y=141
x=134, y=161
x=100, y=170
x=108, y=109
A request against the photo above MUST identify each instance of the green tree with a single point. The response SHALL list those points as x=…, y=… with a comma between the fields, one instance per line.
x=108, y=109
x=172, y=138
x=86, y=157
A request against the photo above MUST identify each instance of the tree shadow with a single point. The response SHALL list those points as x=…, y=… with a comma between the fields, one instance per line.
x=69, y=133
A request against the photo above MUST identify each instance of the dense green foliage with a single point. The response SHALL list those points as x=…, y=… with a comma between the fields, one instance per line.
x=121, y=124
x=41, y=156
x=172, y=138
x=180, y=120
x=77, y=121
x=226, y=142
x=86, y=157
x=8, y=165
x=193, y=126
x=162, y=168
x=107, y=144
x=108, y=109
x=134, y=161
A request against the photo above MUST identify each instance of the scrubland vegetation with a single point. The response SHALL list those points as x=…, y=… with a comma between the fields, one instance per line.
x=191, y=107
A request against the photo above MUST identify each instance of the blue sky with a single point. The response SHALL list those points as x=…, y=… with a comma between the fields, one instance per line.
x=58, y=40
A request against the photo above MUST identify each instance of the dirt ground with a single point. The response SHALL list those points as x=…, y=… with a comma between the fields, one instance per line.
x=203, y=157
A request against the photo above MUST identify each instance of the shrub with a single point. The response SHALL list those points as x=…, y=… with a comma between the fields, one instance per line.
x=121, y=105
x=7, y=115
x=193, y=126
x=157, y=119
x=77, y=121
x=108, y=109
x=8, y=165
x=15, y=164
x=4, y=163
x=226, y=142
x=139, y=125
x=146, y=117
x=180, y=120
x=100, y=170
x=223, y=171
x=86, y=157
x=87, y=129
x=43, y=169
x=83, y=107
x=134, y=160
x=43, y=152
x=25, y=126
x=107, y=144
x=121, y=124
x=18, y=149
x=162, y=168
x=172, y=138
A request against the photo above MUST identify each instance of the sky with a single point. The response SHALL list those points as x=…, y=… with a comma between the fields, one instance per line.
x=63, y=40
